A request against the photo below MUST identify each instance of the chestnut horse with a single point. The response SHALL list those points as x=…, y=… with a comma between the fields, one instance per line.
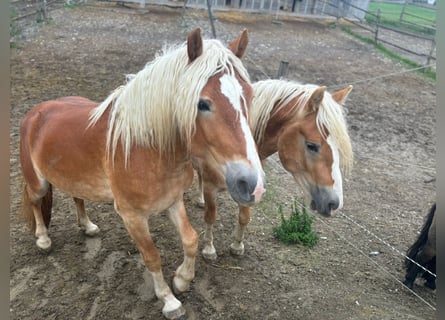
x=135, y=149
x=306, y=125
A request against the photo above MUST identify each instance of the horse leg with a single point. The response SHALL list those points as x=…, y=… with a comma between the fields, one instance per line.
x=209, y=251
x=137, y=227
x=83, y=220
x=37, y=210
x=186, y=271
x=422, y=258
x=428, y=258
x=430, y=280
x=200, y=198
x=411, y=275
x=237, y=246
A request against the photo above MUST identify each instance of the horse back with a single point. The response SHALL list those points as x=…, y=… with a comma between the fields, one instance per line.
x=57, y=146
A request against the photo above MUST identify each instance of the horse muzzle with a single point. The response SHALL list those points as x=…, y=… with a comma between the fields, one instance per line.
x=246, y=185
x=325, y=201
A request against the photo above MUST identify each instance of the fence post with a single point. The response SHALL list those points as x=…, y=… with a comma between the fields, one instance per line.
x=209, y=8
x=276, y=21
x=376, y=36
x=337, y=12
x=42, y=13
x=283, y=70
x=403, y=11
x=433, y=46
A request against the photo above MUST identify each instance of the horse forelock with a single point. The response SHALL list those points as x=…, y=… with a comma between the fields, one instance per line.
x=270, y=96
x=157, y=106
x=331, y=116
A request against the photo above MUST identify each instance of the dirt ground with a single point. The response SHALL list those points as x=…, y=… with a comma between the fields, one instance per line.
x=353, y=273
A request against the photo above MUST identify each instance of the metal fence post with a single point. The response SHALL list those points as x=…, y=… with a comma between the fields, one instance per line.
x=430, y=55
x=283, y=70
x=209, y=8
x=376, y=36
x=403, y=11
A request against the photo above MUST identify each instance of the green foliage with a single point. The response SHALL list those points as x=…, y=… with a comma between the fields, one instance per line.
x=392, y=11
x=298, y=228
x=416, y=19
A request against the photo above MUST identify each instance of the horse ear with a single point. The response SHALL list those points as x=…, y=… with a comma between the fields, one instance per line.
x=194, y=44
x=341, y=95
x=239, y=45
x=317, y=97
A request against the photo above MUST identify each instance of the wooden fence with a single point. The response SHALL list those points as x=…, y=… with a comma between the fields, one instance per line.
x=21, y=9
x=420, y=47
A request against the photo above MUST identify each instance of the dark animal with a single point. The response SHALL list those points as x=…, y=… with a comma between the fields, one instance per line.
x=423, y=251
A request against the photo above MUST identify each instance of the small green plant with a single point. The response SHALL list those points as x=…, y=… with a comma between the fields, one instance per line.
x=298, y=228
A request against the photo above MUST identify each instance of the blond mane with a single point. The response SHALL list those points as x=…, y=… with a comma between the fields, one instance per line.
x=331, y=115
x=158, y=105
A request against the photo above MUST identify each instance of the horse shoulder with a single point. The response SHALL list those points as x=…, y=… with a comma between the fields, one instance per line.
x=149, y=182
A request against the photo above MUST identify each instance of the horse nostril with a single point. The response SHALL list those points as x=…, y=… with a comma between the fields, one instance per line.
x=243, y=187
x=333, y=205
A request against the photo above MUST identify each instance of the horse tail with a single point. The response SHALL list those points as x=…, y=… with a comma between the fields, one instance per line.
x=45, y=207
x=422, y=238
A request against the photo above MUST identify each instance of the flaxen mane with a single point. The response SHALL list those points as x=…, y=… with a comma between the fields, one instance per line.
x=331, y=115
x=159, y=104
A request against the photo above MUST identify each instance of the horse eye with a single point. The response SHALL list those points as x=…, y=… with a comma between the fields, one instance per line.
x=312, y=147
x=203, y=106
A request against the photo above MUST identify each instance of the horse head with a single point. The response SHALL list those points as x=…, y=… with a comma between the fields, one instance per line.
x=222, y=137
x=312, y=153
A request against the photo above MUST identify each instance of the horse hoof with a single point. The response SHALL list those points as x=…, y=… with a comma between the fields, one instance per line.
x=179, y=285
x=409, y=284
x=237, y=249
x=92, y=230
x=200, y=203
x=431, y=285
x=44, y=243
x=177, y=314
x=209, y=254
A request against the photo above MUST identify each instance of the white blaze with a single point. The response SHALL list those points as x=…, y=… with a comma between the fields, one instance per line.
x=336, y=173
x=231, y=88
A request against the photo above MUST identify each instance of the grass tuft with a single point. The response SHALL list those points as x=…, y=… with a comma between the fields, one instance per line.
x=297, y=229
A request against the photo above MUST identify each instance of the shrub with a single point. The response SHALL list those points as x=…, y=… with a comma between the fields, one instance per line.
x=298, y=228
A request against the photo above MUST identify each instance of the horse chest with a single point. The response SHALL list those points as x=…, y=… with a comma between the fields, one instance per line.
x=150, y=190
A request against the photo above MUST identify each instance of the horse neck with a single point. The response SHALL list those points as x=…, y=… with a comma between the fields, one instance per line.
x=275, y=126
x=173, y=162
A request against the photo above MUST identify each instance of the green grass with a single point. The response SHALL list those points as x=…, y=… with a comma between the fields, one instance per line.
x=390, y=16
x=297, y=229
x=429, y=73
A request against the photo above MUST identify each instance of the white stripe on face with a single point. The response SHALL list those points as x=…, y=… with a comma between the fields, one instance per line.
x=336, y=173
x=231, y=88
